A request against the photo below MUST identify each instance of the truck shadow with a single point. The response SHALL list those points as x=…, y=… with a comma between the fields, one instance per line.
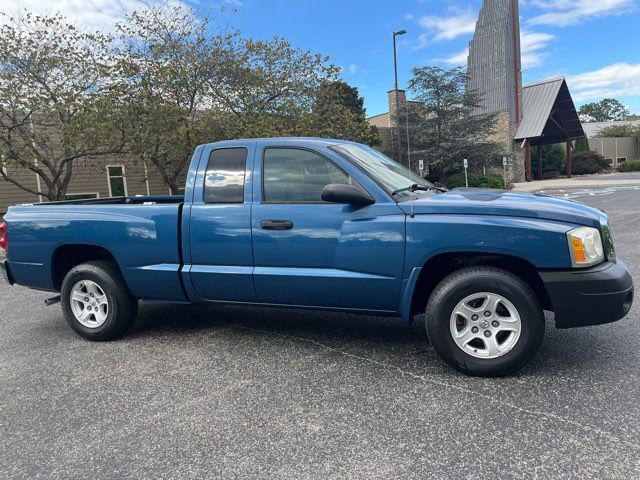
x=381, y=338
x=320, y=326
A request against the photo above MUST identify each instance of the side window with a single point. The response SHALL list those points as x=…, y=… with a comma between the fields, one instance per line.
x=116, y=180
x=297, y=176
x=224, y=179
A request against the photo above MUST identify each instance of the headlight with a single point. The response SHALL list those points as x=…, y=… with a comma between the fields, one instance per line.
x=585, y=246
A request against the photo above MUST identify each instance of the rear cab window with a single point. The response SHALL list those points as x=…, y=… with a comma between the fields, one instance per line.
x=225, y=175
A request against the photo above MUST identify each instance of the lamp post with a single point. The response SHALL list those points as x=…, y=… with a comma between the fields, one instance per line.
x=395, y=90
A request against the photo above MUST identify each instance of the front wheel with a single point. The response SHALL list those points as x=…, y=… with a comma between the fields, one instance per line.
x=484, y=321
x=96, y=301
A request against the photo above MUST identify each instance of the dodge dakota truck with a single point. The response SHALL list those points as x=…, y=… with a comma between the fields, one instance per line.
x=329, y=224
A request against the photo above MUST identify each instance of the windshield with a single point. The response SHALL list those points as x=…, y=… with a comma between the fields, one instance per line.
x=389, y=174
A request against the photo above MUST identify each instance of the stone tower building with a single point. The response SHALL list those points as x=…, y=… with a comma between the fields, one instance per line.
x=494, y=69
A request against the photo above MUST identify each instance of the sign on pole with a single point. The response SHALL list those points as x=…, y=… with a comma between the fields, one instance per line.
x=504, y=170
x=466, y=179
x=421, y=166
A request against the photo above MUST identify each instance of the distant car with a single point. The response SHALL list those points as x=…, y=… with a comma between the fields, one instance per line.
x=329, y=224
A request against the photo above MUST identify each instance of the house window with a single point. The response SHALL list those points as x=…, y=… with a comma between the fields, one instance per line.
x=117, y=182
x=622, y=159
x=81, y=196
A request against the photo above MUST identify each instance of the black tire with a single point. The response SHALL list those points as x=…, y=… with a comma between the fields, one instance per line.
x=467, y=281
x=122, y=309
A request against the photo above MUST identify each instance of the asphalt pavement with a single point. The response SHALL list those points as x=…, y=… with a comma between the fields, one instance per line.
x=237, y=392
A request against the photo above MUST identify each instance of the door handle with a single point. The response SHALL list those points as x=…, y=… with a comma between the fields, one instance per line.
x=276, y=224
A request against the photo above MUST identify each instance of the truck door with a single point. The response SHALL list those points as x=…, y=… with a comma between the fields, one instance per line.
x=221, y=253
x=308, y=252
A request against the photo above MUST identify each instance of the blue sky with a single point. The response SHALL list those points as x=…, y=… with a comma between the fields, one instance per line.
x=595, y=44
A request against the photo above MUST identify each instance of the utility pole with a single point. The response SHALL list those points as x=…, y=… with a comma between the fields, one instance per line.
x=395, y=91
x=408, y=144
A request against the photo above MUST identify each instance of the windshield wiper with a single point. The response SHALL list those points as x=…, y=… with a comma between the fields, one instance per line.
x=418, y=186
x=435, y=187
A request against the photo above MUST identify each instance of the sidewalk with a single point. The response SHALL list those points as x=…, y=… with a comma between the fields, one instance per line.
x=591, y=181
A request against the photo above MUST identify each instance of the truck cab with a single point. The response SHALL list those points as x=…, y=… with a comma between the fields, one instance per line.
x=329, y=224
x=259, y=230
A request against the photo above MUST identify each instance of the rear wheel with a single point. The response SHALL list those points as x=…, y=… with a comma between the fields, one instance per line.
x=96, y=301
x=484, y=321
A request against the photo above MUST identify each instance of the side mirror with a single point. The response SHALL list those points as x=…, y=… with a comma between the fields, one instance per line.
x=342, y=193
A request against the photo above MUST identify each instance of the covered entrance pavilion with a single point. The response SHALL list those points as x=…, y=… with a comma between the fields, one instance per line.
x=549, y=116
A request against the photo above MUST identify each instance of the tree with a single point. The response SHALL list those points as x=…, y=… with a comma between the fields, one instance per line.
x=166, y=59
x=338, y=112
x=269, y=88
x=172, y=80
x=58, y=101
x=192, y=80
x=606, y=110
x=626, y=130
x=443, y=128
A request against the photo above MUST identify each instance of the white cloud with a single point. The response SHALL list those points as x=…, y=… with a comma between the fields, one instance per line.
x=354, y=69
x=442, y=28
x=455, y=59
x=562, y=13
x=617, y=80
x=532, y=45
x=98, y=14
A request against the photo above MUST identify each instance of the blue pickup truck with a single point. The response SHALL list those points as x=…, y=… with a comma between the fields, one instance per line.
x=329, y=224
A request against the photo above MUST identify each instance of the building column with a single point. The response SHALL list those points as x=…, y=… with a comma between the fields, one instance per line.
x=569, y=157
x=527, y=161
x=539, y=162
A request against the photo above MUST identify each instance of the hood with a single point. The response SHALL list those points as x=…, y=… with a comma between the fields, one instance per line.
x=481, y=201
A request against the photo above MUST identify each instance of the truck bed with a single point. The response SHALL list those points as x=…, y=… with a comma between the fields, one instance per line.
x=142, y=234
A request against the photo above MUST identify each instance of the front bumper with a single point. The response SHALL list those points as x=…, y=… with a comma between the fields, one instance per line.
x=590, y=296
x=6, y=270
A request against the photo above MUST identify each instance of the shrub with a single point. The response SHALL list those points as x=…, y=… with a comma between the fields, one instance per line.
x=582, y=145
x=477, y=180
x=588, y=162
x=630, y=166
x=553, y=157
